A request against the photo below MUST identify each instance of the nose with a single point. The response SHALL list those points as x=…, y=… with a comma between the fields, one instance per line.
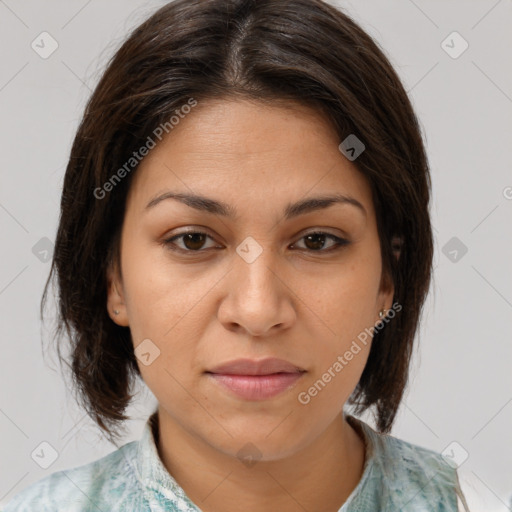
x=258, y=299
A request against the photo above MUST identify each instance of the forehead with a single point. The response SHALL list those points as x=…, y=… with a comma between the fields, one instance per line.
x=244, y=151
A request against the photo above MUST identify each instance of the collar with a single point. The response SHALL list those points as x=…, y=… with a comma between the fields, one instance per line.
x=158, y=484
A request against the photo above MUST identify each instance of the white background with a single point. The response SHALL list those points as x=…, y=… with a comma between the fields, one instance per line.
x=461, y=384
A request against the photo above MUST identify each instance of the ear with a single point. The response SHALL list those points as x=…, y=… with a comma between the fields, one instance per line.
x=396, y=246
x=115, y=297
x=385, y=294
x=385, y=297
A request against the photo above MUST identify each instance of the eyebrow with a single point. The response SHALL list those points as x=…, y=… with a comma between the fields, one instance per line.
x=215, y=207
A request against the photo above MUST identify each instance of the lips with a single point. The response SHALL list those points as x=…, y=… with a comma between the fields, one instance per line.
x=256, y=380
x=262, y=367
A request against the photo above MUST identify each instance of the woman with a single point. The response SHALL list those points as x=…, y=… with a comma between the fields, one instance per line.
x=244, y=225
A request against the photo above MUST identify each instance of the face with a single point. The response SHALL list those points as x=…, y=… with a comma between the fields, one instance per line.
x=255, y=270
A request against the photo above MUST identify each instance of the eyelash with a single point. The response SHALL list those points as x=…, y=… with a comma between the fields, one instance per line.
x=339, y=242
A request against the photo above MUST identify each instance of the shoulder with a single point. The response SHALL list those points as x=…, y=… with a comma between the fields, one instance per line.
x=104, y=484
x=408, y=477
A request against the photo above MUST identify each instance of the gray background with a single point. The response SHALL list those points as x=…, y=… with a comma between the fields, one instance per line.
x=461, y=380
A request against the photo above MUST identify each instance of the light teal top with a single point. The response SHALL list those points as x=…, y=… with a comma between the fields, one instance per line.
x=397, y=476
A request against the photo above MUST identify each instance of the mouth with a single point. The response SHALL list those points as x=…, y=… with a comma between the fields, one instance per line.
x=256, y=380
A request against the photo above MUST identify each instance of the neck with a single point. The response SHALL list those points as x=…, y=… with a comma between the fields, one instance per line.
x=318, y=477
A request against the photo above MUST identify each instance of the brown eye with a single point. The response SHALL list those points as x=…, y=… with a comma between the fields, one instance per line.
x=316, y=241
x=193, y=241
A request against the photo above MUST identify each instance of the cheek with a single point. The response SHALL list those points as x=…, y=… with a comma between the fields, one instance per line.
x=339, y=363
x=168, y=305
x=346, y=305
x=347, y=297
x=161, y=298
x=340, y=355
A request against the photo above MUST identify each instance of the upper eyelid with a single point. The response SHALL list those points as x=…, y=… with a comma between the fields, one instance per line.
x=205, y=231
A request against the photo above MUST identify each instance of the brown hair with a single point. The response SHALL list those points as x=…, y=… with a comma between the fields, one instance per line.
x=268, y=50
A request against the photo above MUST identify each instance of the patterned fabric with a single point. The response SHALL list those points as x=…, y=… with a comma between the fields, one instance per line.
x=397, y=476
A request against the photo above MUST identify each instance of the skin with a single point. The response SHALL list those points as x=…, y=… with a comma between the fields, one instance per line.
x=293, y=302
